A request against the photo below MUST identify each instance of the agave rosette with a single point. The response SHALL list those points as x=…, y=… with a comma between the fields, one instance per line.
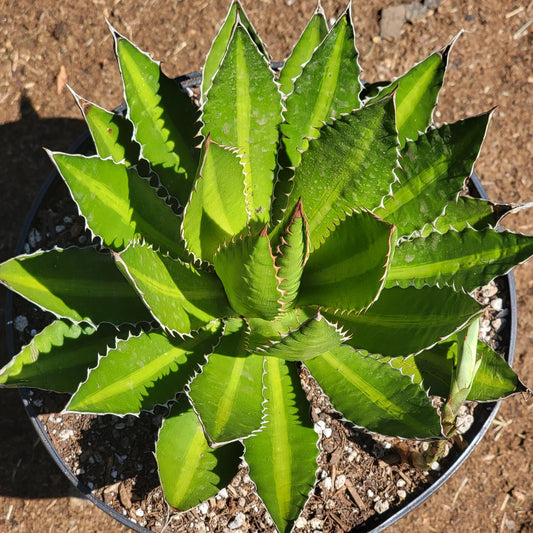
x=294, y=218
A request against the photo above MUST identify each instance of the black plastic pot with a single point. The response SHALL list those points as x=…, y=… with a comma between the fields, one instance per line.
x=484, y=414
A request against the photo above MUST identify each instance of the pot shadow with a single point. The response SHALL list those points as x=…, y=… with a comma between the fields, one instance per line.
x=26, y=470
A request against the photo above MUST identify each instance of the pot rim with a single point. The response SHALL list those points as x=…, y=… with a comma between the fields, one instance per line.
x=478, y=430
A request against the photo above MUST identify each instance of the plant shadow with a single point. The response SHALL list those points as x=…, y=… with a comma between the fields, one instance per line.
x=26, y=470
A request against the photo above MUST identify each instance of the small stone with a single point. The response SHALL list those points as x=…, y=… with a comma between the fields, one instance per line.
x=203, y=508
x=327, y=483
x=488, y=291
x=60, y=228
x=401, y=483
x=21, y=323
x=370, y=493
x=497, y=304
x=300, y=523
x=223, y=494
x=392, y=19
x=435, y=466
x=34, y=237
x=340, y=480
x=237, y=522
x=381, y=506
x=66, y=434
x=415, y=11
x=316, y=523
x=463, y=423
x=327, y=433
x=432, y=4
x=139, y=512
x=402, y=494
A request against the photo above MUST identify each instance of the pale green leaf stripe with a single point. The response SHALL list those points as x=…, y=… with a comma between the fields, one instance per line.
x=282, y=457
x=416, y=94
x=243, y=110
x=247, y=271
x=142, y=372
x=407, y=320
x=164, y=119
x=433, y=171
x=111, y=132
x=467, y=259
x=228, y=393
x=58, y=357
x=118, y=204
x=374, y=395
x=312, y=36
x=180, y=297
x=80, y=284
x=216, y=210
x=348, y=271
x=328, y=86
x=190, y=471
x=310, y=340
x=349, y=166
x=220, y=43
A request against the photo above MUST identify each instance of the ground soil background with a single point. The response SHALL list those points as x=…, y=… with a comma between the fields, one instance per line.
x=44, y=43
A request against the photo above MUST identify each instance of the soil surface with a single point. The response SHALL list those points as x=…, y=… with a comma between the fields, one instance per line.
x=46, y=44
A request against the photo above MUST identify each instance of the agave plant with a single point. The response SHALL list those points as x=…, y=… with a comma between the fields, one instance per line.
x=293, y=219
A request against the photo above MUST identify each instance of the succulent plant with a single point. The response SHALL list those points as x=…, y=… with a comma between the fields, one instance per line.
x=291, y=219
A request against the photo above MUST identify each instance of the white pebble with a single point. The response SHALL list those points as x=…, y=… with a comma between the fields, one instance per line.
x=34, y=237
x=203, y=508
x=497, y=304
x=327, y=483
x=21, y=323
x=435, y=466
x=139, y=512
x=316, y=523
x=402, y=494
x=237, y=522
x=370, y=493
x=340, y=480
x=381, y=506
x=300, y=523
x=401, y=483
x=223, y=494
x=65, y=434
x=327, y=433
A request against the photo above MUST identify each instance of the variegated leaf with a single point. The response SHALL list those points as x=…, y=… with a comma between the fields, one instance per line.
x=374, y=395
x=228, y=393
x=80, y=284
x=189, y=469
x=282, y=457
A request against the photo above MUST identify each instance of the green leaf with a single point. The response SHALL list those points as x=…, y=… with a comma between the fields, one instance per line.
x=228, y=393
x=243, y=110
x=282, y=457
x=80, y=284
x=111, y=132
x=216, y=210
x=164, y=118
x=291, y=255
x=494, y=379
x=118, y=204
x=349, y=166
x=58, y=357
x=348, y=270
x=468, y=212
x=416, y=94
x=142, y=372
x=312, y=36
x=312, y=338
x=433, y=172
x=406, y=321
x=191, y=471
x=179, y=296
x=220, y=43
x=328, y=86
x=374, y=395
x=247, y=270
x=466, y=259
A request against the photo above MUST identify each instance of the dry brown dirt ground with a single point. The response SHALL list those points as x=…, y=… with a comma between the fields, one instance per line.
x=43, y=43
